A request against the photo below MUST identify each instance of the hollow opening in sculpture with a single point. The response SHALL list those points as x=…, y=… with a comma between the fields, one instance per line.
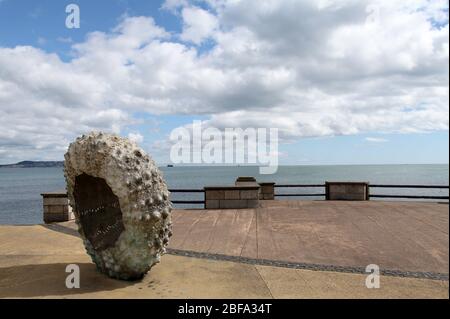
x=99, y=212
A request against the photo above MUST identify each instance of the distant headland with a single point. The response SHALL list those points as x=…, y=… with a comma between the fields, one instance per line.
x=28, y=164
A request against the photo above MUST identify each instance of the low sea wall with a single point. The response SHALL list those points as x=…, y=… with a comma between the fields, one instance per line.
x=347, y=190
x=223, y=197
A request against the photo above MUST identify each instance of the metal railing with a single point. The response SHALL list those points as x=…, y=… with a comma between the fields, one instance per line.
x=371, y=186
x=322, y=194
x=299, y=186
x=408, y=196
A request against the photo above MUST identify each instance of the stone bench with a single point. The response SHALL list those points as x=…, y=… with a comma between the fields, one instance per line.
x=347, y=190
x=229, y=197
x=56, y=207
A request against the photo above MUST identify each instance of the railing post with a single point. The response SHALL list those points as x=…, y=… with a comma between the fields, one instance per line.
x=267, y=191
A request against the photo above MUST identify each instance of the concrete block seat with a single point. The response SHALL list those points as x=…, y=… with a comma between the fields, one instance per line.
x=56, y=207
x=347, y=191
x=230, y=197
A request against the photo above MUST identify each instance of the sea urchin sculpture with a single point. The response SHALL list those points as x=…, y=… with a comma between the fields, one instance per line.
x=121, y=204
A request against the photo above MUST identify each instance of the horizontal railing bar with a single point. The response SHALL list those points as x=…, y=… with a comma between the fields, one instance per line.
x=323, y=195
x=186, y=190
x=300, y=185
x=370, y=185
x=409, y=196
x=299, y=195
x=408, y=186
x=188, y=201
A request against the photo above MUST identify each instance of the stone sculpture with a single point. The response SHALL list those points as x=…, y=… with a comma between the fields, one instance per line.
x=121, y=204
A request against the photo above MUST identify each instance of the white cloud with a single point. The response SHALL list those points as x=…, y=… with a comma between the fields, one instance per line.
x=174, y=4
x=198, y=24
x=136, y=137
x=376, y=140
x=309, y=68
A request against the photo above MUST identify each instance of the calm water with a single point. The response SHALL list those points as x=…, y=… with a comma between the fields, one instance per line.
x=20, y=188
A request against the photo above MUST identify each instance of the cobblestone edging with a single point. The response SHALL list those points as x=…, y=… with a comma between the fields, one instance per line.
x=306, y=266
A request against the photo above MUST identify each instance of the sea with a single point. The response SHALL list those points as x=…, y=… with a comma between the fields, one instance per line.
x=21, y=188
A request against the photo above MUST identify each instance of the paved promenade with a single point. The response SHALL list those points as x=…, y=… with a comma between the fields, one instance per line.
x=283, y=250
x=405, y=236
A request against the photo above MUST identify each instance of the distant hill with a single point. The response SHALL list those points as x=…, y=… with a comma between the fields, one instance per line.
x=28, y=164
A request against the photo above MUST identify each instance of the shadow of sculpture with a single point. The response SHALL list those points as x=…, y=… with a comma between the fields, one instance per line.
x=62, y=229
x=46, y=280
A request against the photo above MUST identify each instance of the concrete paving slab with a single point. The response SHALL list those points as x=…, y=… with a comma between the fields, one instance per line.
x=407, y=236
x=33, y=260
x=297, y=283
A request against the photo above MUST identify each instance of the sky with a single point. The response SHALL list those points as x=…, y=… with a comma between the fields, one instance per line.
x=345, y=82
